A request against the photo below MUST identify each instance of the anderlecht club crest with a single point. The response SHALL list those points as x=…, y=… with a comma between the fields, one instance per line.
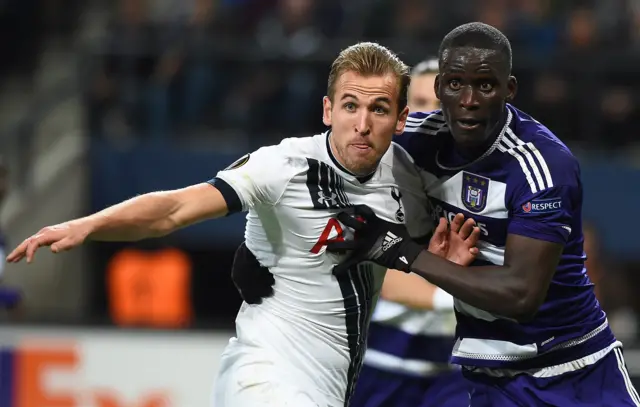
x=474, y=191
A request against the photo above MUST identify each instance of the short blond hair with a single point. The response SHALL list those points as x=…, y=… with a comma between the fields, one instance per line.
x=369, y=59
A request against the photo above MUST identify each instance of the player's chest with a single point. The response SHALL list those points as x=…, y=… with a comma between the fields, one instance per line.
x=325, y=200
x=479, y=197
x=309, y=212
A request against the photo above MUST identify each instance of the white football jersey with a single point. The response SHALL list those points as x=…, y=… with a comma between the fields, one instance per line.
x=315, y=322
x=405, y=340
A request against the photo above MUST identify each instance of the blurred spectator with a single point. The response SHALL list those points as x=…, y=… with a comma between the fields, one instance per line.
x=10, y=298
x=60, y=17
x=201, y=76
x=617, y=108
x=289, y=32
x=118, y=96
x=634, y=22
x=21, y=44
x=550, y=93
x=4, y=180
x=132, y=92
x=413, y=20
x=172, y=67
x=612, y=22
x=495, y=13
x=422, y=95
x=4, y=187
x=534, y=28
x=581, y=31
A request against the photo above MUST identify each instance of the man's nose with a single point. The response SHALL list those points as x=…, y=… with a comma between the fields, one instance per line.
x=363, y=124
x=468, y=98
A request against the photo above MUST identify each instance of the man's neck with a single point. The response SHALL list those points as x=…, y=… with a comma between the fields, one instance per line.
x=477, y=151
x=338, y=162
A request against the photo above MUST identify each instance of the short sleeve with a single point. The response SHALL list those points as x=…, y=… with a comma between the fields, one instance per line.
x=256, y=178
x=543, y=204
x=422, y=137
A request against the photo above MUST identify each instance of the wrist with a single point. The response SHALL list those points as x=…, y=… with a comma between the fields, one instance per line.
x=417, y=265
x=409, y=254
x=442, y=300
x=90, y=225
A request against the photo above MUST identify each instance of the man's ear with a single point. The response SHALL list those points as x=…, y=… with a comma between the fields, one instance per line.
x=402, y=120
x=512, y=87
x=326, y=111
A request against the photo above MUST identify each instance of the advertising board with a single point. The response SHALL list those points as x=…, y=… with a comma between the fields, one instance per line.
x=119, y=368
x=110, y=368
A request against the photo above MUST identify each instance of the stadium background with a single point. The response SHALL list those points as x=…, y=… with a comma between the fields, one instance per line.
x=103, y=100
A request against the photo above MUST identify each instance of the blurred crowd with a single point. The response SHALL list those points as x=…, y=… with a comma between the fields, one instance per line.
x=26, y=24
x=194, y=70
x=177, y=68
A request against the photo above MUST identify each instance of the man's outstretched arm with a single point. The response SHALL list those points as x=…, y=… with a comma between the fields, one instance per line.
x=150, y=215
x=156, y=214
x=258, y=177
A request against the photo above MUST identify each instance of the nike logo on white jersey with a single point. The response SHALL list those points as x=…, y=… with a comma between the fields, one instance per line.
x=389, y=240
x=404, y=260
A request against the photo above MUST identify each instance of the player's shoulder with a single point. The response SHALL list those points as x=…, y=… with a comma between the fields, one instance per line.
x=421, y=136
x=302, y=145
x=428, y=123
x=421, y=125
x=400, y=167
x=397, y=156
x=292, y=153
x=536, y=154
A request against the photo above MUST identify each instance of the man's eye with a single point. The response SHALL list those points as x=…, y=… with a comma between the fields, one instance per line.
x=486, y=87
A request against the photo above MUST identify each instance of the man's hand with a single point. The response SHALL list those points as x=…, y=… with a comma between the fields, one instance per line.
x=389, y=244
x=61, y=237
x=456, y=242
x=385, y=243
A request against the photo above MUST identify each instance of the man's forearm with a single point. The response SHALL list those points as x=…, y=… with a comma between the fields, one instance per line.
x=408, y=289
x=144, y=216
x=489, y=288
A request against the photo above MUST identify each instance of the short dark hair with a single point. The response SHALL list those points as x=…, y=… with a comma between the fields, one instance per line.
x=476, y=35
x=428, y=66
